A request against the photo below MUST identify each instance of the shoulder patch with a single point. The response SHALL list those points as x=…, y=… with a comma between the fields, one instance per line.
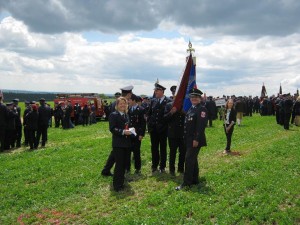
x=203, y=114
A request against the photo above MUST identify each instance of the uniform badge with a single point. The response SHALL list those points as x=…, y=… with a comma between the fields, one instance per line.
x=203, y=114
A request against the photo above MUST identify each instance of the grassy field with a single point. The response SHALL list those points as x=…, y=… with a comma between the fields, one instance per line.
x=61, y=184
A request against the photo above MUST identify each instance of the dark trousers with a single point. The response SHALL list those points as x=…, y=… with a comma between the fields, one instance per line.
x=2, y=139
x=18, y=136
x=158, y=149
x=42, y=131
x=174, y=144
x=210, y=121
x=109, y=163
x=57, y=120
x=9, y=140
x=286, y=122
x=31, y=138
x=228, y=136
x=85, y=120
x=191, y=173
x=136, y=149
x=278, y=116
x=119, y=171
x=25, y=130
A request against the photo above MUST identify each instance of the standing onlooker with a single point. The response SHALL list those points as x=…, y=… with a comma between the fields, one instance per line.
x=3, y=123
x=27, y=110
x=229, y=122
x=32, y=118
x=296, y=112
x=287, y=111
x=240, y=109
x=85, y=115
x=195, y=123
x=58, y=114
x=211, y=107
x=43, y=123
x=121, y=142
x=18, y=123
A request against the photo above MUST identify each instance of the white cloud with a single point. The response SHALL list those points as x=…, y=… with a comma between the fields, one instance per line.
x=69, y=62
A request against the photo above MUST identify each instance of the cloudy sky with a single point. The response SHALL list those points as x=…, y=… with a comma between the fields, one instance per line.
x=101, y=46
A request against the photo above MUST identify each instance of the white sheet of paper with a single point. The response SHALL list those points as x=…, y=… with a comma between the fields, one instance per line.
x=132, y=130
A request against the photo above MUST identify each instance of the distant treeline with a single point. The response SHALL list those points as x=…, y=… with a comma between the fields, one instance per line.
x=9, y=96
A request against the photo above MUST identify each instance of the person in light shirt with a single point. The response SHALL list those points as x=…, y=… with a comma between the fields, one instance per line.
x=229, y=122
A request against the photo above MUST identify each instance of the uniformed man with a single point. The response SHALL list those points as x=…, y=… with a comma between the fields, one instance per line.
x=3, y=123
x=158, y=128
x=287, y=109
x=137, y=120
x=194, y=130
x=9, y=141
x=211, y=107
x=175, y=120
x=26, y=111
x=18, y=123
x=43, y=123
x=126, y=92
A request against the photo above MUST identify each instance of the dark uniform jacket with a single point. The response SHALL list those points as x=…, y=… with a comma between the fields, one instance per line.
x=211, y=107
x=11, y=120
x=3, y=116
x=18, y=117
x=296, y=109
x=288, y=106
x=156, y=120
x=44, y=115
x=137, y=120
x=26, y=111
x=31, y=119
x=175, y=122
x=117, y=124
x=240, y=106
x=194, y=128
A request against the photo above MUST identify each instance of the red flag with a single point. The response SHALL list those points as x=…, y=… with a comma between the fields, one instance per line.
x=181, y=91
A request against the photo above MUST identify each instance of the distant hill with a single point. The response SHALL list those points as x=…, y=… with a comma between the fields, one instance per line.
x=23, y=95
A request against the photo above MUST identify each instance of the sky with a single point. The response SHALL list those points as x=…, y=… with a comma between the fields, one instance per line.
x=102, y=46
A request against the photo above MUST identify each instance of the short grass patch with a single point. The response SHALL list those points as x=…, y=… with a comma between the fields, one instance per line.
x=61, y=184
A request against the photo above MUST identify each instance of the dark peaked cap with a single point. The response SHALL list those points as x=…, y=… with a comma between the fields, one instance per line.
x=127, y=89
x=159, y=87
x=173, y=88
x=195, y=92
x=117, y=94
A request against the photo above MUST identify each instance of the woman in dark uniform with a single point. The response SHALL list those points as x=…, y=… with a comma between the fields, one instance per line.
x=229, y=122
x=121, y=142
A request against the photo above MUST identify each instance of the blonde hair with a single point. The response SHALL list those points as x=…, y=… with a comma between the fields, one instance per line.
x=226, y=105
x=118, y=102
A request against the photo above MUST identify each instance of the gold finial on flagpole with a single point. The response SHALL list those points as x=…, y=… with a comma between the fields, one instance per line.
x=190, y=49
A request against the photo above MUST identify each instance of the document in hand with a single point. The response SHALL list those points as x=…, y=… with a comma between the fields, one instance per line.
x=132, y=130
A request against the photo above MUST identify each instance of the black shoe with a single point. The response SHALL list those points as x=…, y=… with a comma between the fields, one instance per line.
x=106, y=174
x=180, y=171
x=180, y=187
x=118, y=189
x=162, y=171
x=154, y=170
x=137, y=171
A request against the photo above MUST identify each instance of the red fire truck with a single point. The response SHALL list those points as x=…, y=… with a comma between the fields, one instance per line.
x=82, y=99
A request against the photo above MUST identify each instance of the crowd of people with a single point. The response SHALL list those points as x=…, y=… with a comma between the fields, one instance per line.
x=131, y=116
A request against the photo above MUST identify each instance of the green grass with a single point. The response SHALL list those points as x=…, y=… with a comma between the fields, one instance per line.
x=61, y=184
